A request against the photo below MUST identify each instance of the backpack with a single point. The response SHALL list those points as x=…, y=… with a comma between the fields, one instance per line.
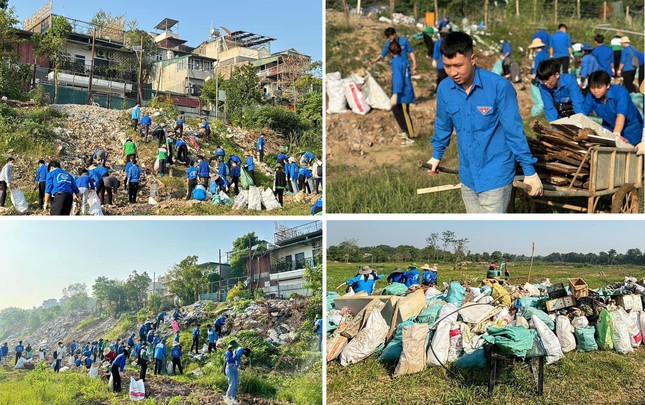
x=319, y=171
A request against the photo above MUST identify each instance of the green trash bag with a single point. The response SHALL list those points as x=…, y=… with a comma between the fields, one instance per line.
x=245, y=179
x=331, y=296
x=538, y=105
x=604, y=326
x=498, y=67
x=395, y=289
x=393, y=350
x=514, y=340
x=529, y=312
x=430, y=314
x=637, y=98
x=534, y=302
x=476, y=359
x=456, y=293
x=586, y=340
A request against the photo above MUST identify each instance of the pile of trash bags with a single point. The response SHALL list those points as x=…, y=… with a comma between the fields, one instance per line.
x=360, y=91
x=427, y=327
x=255, y=198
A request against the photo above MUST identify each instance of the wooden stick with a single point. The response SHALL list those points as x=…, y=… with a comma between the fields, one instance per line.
x=437, y=189
x=531, y=265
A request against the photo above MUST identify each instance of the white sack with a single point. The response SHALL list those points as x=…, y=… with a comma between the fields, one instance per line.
x=355, y=98
x=255, y=199
x=440, y=344
x=549, y=340
x=367, y=340
x=269, y=201
x=564, y=331
x=337, y=102
x=374, y=94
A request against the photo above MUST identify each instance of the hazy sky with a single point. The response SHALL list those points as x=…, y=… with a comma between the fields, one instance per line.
x=293, y=23
x=507, y=236
x=38, y=258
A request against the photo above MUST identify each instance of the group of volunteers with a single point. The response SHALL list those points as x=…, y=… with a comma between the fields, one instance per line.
x=367, y=278
x=482, y=106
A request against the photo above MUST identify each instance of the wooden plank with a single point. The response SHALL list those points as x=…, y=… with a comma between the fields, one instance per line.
x=559, y=167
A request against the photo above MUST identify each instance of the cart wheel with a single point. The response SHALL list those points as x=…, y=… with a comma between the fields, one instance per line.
x=625, y=200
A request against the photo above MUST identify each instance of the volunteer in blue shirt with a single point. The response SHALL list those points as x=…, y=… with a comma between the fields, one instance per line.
x=318, y=328
x=4, y=351
x=604, y=54
x=542, y=54
x=626, y=69
x=233, y=359
x=317, y=207
x=203, y=170
x=61, y=186
x=304, y=179
x=134, y=177
x=180, y=124
x=396, y=276
x=136, y=114
x=613, y=104
x=100, y=156
x=402, y=94
x=175, y=352
x=182, y=150
x=131, y=340
x=118, y=365
x=412, y=275
x=282, y=158
x=543, y=36
x=146, y=121
x=260, y=148
x=97, y=174
x=588, y=64
x=249, y=165
x=195, y=343
x=482, y=107
x=212, y=339
x=506, y=49
x=206, y=129
x=560, y=92
x=444, y=23
x=218, y=183
x=236, y=172
x=436, y=56
x=291, y=170
x=219, y=323
x=364, y=280
x=19, y=349
x=406, y=48
x=561, y=49
x=160, y=353
x=41, y=179
x=191, y=179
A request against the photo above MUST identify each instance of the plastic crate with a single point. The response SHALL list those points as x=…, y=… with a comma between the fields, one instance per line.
x=556, y=291
x=578, y=287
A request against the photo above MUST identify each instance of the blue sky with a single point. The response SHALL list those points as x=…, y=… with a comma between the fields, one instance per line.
x=507, y=236
x=294, y=23
x=41, y=257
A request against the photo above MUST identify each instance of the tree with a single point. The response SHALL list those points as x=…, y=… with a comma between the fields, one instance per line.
x=51, y=44
x=240, y=255
x=75, y=297
x=293, y=68
x=8, y=36
x=108, y=25
x=496, y=256
x=108, y=294
x=185, y=278
x=459, y=247
x=432, y=242
x=242, y=92
x=446, y=238
x=145, y=65
x=136, y=290
x=349, y=248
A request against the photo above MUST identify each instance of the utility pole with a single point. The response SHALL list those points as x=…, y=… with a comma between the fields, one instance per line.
x=578, y=8
x=485, y=14
x=249, y=272
x=140, y=90
x=89, y=89
x=219, y=294
x=517, y=8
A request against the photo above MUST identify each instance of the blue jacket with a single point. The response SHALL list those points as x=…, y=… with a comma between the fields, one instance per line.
x=196, y=332
x=248, y=163
x=230, y=357
x=134, y=174
x=406, y=48
x=218, y=184
x=427, y=276
x=317, y=204
x=85, y=181
x=220, y=152
x=626, y=55
x=282, y=158
x=396, y=277
x=127, y=167
x=618, y=102
x=588, y=65
x=318, y=327
x=136, y=112
x=236, y=171
x=131, y=341
x=179, y=143
x=160, y=351
x=59, y=181
x=146, y=120
x=304, y=171
x=212, y=335
x=161, y=316
x=176, y=338
x=97, y=173
x=175, y=352
x=88, y=362
x=151, y=336
x=362, y=282
x=206, y=125
x=77, y=362
x=506, y=48
x=72, y=347
x=436, y=54
x=41, y=173
x=191, y=173
x=544, y=36
x=143, y=329
x=307, y=158
x=220, y=321
x=204, y=170
x=119, y=361
x=411, y=277
x=20, y=348
x=560, y=42
x=235, y=158
x=156, y=340
x=568, y=92
x=199, y=193
x=539, y=57
x=490, y=133
x=260, y=145
x=180, y=121
x=223, y=170
x=4, y=351
x=401, y=81
x=605, y=57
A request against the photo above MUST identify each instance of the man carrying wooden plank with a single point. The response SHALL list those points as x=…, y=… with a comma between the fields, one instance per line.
x=483, y=109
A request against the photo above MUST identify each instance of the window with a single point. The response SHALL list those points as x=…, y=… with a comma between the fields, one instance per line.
x=300, y=260
x=158, y=57
x=197, y=64
x=288, y=263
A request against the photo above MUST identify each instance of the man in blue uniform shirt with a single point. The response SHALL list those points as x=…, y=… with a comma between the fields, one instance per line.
x=560, y=92
x=191, y=179
x=603, y=54
x=260, y=148
x=406, y=48
x=41, y=179
x=62, y=187
x=561, y=49
x=482, y=107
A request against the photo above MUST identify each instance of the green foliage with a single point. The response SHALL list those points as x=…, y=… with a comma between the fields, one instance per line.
x=154, y=302
x=185, y=279
x=238, y=292
x=38, y=95
x=126, y=324
x=241, y=248
x=14, y=80
x=51, y=45
x=277, y=118
x=252, y=384
x=117, y=296
x=169, y=111
x=303, y=388
x=8, y=35
x=262, y=353
x=242, y=92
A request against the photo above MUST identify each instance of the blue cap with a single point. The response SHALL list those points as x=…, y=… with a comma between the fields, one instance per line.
x=587, y=47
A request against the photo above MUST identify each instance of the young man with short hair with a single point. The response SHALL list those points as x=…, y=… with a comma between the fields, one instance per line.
x=561, y=49
x=482, y=107
x=560, y=92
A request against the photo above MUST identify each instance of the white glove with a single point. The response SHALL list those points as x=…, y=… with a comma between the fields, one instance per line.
x=535, y=183
x=393, y=99
x=434, y=163
x=640, y=148
x=434, y=63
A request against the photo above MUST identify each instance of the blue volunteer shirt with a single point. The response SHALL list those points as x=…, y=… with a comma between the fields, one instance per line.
x=396, y=277
x=180, y=142
x=427, y=276
x=544, y=36
x=175, y=352
x=539, y=57
x=436, y=54
x=588, y=65
x=490, y=134
x=304, y=171
x=411, y=277
x=196, y=332
x=212, y=336
x=191, y=173
x=146, y=120
x=204, y=170
x=401, y=81
x=618, y=101
x=134, y=174
x=97, y=173
x=567, y=92
x=127, y=167
x=506, y=48
x=249, y=163
x=560, y=42
x=206, y=125
x=626, y=55
x=220, y=152
x=220, y=321
x=88, y=362
x=317, y=205
x=604, y=56
x=235, y=158
x=136, y=113
x=86, y=182
x=406, y=48
x=362, y=283
x=223, y=170
x=235, y=171
x=41, y=173
x=59, y=181
x=20, y=348
x=260, y=145
x=180, y=121
x=119, y=361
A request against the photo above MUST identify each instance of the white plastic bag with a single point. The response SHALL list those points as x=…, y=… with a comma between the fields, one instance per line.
x=374, y=94
x=456, y=349
x=448, y=309
x=19, y=201
x=20, y=364
x=549, y=340
x=620, y=332
x=355, y=98
x=367, y=340
x=337, y=102
x=440, y=346
x=169, y=368
x=476, y=313
x=580, y=322
x=94, y=203
x=241, y=200
x=564, y=331
x=137, y=390
x=432, y=292
x=255, y=199
x=94, y=372
x=635, y=329
x=269, y=201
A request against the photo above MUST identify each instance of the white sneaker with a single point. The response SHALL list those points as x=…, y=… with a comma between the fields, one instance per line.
x=407, y=142
x=403, y=135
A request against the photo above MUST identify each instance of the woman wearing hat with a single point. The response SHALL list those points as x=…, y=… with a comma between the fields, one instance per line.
x=542, y=54
x=626, y=69
x=232, y=361
x=249, y=165
x=411, y=275
x=365, y=280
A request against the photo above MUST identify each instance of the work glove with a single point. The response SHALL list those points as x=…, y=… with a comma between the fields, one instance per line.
x=640, y=148
x=535, y=183
x=434, y=63
x=435, y=164
x=394, y=99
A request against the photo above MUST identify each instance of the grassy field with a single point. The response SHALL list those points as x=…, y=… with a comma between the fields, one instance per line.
x=597, y=377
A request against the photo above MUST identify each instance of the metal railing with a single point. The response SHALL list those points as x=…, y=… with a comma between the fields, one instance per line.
x=283, y=265
x=111, y=71
x=287, y=234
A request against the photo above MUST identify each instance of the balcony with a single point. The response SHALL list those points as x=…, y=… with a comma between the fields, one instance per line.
x=111, y=72
x=283, y=266
x=303, y=232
